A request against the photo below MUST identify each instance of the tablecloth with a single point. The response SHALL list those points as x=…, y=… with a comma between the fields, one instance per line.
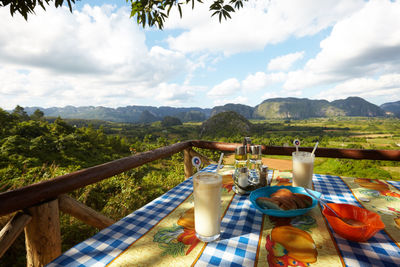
x=162, y=232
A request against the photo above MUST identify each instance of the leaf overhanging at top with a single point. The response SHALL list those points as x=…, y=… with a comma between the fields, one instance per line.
x=147, y=12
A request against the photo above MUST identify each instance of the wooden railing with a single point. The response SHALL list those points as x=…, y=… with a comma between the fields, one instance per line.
x=38, y=205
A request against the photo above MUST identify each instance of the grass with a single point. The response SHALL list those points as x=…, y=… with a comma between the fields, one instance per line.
x=394, y=171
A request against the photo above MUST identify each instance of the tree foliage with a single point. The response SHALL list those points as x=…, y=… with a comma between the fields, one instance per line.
x=31, y=142
x=147, y=12
x=25, y=7
x=37, y=115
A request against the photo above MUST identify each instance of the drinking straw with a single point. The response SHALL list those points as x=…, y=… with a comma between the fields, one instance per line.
x=315, y=148
x=220, y=161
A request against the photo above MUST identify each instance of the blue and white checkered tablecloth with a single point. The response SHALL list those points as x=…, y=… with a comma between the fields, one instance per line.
x=396, y=184
x=103, y=247
x=240, y=230
x=380, y=250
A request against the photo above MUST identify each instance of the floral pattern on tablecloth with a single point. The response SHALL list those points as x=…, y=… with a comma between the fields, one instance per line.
x=299, y=241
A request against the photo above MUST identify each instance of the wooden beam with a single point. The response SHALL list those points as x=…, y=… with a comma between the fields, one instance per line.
x=82, y=212
x=221, y=146
x=12, y=230
x=27, y=196
x=393, y=155
x=187, y=163
x=42, y=234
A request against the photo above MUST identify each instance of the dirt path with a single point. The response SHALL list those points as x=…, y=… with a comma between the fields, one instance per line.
x=278, y=164
x=372, y=135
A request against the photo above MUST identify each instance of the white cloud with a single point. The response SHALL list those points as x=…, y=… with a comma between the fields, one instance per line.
x=226, y=88
x=177, y=95
x=285, y=62
x=365, y=44
x=229, y=100
x=89, y=41
x=259, y=23
x=386, y=87
x=247, y=91
x=261, y=80
x=97, y=53
x=270, y=95
x=275, y=94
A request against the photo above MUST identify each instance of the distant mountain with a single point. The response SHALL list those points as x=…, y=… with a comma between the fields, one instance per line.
x=193, y=115
x=274, y=108
x=356, y=106
x=302, y=108
x=124, y=114
x=147, y=116
x=393, y=107
x=295, y=108
x=245, y=111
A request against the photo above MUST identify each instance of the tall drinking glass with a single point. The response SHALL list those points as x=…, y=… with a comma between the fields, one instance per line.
x=207, y=205
x=303, y=167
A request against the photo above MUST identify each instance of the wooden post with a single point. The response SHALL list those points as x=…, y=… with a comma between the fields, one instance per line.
x=187, y=161
x=42, y=234
x=11, y=231
x=82, y=212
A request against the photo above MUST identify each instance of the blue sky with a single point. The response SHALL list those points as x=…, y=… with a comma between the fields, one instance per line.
x=99, y=56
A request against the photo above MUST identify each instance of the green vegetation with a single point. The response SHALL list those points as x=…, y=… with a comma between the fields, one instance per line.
x=170, y=121
x=227, y=124
x=34, y=148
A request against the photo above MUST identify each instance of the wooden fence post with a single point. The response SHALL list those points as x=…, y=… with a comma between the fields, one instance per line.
x=82, y=212
x=187, y=161
x=42, y=234
x=11, y=230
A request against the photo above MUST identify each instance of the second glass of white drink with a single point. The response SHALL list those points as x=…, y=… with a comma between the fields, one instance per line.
x=207, y=205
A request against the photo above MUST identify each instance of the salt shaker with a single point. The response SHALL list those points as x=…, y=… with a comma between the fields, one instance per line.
x=243, y=179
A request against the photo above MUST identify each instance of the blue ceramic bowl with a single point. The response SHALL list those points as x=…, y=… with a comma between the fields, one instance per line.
x=267, y=191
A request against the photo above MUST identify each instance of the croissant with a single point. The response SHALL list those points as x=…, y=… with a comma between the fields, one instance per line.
x=284, y=199
x=282, y=193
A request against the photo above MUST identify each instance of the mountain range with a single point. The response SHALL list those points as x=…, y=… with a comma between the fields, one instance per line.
x=274, y=108
x=393, y=107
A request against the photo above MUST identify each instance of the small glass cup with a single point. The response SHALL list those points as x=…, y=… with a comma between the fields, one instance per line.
x=207, y=205
x=303, y=167
x=255, y=164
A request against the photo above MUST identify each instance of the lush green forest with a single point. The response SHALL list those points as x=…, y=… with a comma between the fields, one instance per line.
x=34, y=148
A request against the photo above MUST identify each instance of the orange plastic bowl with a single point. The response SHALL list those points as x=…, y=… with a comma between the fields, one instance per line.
x=372, y=222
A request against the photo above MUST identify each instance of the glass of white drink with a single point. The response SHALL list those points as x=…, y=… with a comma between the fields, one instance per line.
x=207, y=205
x=303, y=167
